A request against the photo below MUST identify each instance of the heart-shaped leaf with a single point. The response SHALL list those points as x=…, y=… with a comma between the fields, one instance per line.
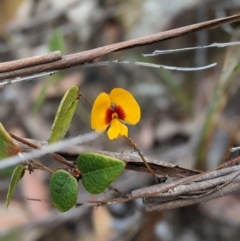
x=63, y=190
x=64, y=114
x=98, y=171
x=17, y=175
x=7, y=147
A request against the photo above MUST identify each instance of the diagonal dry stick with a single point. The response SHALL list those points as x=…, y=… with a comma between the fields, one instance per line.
x=70, y=60
x=30, y=61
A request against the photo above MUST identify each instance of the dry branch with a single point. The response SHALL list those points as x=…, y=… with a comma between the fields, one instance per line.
x=133, y=162
x=189, y=188
x=70, y=60
x=208, y=186
x=30, y=61
x=231, y=188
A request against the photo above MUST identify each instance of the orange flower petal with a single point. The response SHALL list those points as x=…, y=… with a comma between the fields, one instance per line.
x=98, y=115
x=127, y=102
x=114, y=129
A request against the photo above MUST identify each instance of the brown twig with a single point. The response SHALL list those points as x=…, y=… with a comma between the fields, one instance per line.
x=30, y=144
x=30, y=61
x=215, y=189
x=230, y=184
x=70, y=60
x=37, y=165
x=186, y=202
x=34, y=199
x=190, y=179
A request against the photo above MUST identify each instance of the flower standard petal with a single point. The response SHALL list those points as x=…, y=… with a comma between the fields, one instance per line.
x=123, y=130
x=129, y=105
x=114, y=129
x=99, y=111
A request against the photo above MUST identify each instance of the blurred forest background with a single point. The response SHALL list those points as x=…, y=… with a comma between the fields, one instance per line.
x=188, y=118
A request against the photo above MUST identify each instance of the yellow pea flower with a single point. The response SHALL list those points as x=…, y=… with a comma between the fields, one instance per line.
x=113, y=111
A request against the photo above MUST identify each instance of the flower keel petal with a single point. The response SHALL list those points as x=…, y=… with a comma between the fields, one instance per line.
x=114, y=129
x=123, y=130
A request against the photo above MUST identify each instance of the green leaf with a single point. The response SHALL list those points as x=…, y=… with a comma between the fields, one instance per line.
x=64, y=114
x=17, y=175
x=63, y=190
x=7, y=147
x=98, y=171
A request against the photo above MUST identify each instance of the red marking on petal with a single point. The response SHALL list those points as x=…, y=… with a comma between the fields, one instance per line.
x=117, y=109
x=108, y=115
x=120, y=111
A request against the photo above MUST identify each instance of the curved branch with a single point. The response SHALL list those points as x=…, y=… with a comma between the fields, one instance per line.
x=70, y=60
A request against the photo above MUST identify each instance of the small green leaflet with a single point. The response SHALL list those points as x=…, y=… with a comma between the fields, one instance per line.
x=64, y=114
x=63, y=190
x=17, y=175
x=98, y=171
x=7, y=147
